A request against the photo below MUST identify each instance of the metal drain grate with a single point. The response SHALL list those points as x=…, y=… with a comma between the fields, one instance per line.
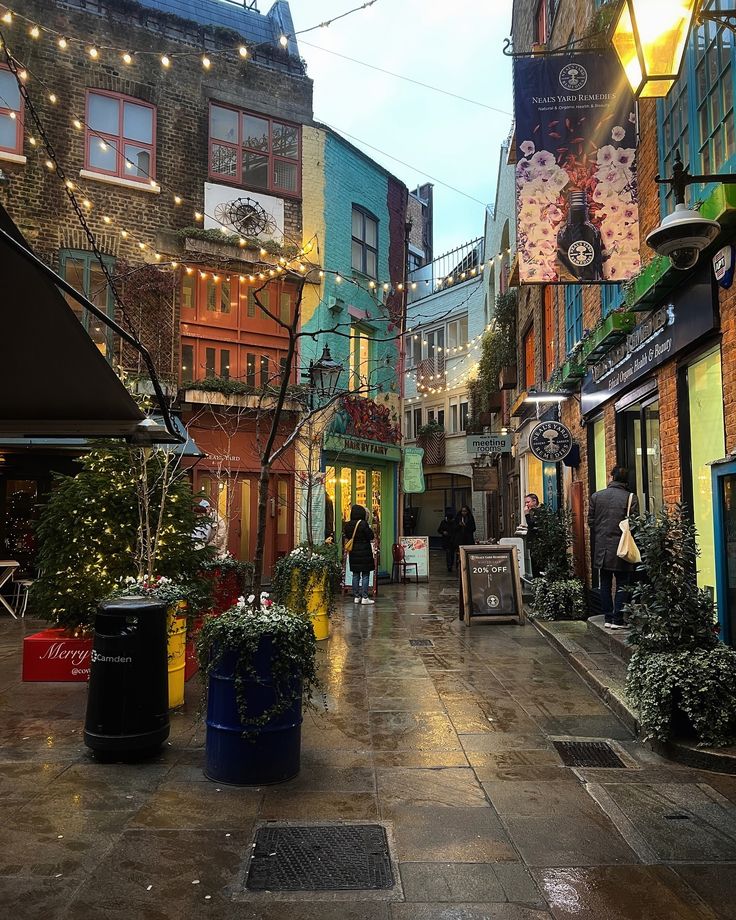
x=318, y=858
x=421, y=643
x=588, y=754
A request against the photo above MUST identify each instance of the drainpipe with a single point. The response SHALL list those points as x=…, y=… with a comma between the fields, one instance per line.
x=402, y=366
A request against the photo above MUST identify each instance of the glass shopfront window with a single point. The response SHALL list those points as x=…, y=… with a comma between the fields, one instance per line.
x=640, y=451
x=366, y=484
x=600, y=467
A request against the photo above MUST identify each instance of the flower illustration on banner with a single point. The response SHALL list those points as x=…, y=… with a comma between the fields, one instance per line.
x=618, y=133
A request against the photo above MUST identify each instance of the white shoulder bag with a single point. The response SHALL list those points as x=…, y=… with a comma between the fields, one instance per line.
x=627, y=548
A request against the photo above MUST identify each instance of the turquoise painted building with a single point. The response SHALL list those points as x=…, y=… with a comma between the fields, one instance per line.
x=354, y=218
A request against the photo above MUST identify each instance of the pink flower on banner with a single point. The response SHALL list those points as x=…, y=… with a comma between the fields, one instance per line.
x=618, y=133
x=527, y=148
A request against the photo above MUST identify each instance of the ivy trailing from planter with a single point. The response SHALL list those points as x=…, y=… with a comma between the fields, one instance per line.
x=679, y=667
x=429, y=429
x=230, y=386
x=294, y=575
x=272, y=247
x=498, y=349
x=239, y=632
x=559, y=599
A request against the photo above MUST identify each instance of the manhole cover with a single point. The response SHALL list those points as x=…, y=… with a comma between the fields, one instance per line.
x=420, y=643
x=317, y=858
x=588, y=754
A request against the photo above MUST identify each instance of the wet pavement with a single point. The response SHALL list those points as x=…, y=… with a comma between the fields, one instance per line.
x=449, y=747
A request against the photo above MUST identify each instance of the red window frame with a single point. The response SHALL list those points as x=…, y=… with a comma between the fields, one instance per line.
x=19, y=113
x=540, y=23
x=120, y=171
x=239, y=148
x=549, y=332
x=529, y=373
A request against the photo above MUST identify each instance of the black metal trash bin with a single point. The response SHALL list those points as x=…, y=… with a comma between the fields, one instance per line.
x=128, y=702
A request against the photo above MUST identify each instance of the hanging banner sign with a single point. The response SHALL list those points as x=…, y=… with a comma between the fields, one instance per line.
x=550, y=441
x=413, y=472
x=576, y=195
x=488, y=443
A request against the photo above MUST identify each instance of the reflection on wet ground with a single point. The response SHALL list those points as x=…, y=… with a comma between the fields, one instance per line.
x=448, y=745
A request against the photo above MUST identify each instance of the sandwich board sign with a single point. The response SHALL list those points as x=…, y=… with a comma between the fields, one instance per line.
x=490, y=583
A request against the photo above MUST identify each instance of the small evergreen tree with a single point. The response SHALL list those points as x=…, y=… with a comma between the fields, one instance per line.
x=128, y=512
x=552, y=537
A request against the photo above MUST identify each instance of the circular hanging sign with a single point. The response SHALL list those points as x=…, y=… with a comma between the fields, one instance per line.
x=550, y=441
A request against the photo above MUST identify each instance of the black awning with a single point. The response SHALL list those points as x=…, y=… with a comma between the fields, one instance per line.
x=54, y=382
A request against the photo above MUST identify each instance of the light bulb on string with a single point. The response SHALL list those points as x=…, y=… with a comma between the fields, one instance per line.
x=127, y=58
x=206, y=62
x=8, y=18
x=93, y=53
x=165, y=61
x=35, y=32
x=283, y=41
x=243, y=51
x=62, y=43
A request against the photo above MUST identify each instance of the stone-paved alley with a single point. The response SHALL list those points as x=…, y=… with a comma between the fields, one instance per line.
x=448, y=746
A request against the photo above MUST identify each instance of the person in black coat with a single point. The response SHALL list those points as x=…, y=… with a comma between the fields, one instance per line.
x=464, y=527
x=606, y=511
x=447, y=531
x=361, y=558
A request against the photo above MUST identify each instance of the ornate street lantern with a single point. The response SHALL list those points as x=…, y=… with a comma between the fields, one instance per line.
x=324, y=375
x=650, y=37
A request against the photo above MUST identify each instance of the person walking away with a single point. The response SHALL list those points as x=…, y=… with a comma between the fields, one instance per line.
x=531, y=503
x=360, y=552
x=606, y=511
x=447, y=531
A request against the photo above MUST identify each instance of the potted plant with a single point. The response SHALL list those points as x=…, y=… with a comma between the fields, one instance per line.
x=231, y=579
x=559, y=599
x=557, y=593
x=258, y=664
x=681, y=677
x=306, y=581
x=432, y=438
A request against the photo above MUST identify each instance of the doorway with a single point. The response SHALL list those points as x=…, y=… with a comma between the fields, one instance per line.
x=639, y=449
x=368, y=485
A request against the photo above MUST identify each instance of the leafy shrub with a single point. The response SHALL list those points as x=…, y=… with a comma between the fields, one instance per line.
x=293, y=573
x=561, y=599
x=552, y=539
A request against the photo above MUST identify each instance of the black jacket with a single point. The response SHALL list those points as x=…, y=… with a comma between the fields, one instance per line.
x=361, y=556
x=464, y=530
x=606, y=511
x=447, y=531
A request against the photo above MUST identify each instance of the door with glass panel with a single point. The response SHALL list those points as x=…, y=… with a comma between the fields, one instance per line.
x=640, y=451
x=346, y=486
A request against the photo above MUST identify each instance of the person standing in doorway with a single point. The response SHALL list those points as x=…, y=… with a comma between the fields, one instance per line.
x=606, y=511
x=464, y=527
x=531, y=503
x=447, y=531
x=359, y=540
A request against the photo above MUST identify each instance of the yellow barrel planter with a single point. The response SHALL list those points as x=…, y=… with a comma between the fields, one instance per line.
x=316, y=598
x=303, y=582
x=177, y=652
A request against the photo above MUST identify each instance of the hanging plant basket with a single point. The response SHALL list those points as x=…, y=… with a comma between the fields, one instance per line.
x=433, y=443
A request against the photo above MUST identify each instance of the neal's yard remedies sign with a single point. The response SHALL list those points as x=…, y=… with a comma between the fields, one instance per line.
x=669, y=329
x=490, y=582
x=577, y=205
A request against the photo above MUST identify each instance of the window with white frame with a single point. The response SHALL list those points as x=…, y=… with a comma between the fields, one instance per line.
x=365, y=242
x=360, y=356
x=407, y=424
x=457, y=333
x=463, y=415
x=436, y=415
x=454, y=426
x=417, y=413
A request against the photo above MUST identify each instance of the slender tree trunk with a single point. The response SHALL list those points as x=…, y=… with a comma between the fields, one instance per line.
x=263, y=483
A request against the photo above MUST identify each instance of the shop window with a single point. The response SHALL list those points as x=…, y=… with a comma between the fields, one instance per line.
x=599, y=466
x=529, y=372
x=120, y=136
x=704, y=384
x=573, y=315
x=84, y=272
x=365, y=242
x=549, y=331
x=11, y=113
x=640, y=452
x=360, y=357
x=254, y=151
x=187, y=363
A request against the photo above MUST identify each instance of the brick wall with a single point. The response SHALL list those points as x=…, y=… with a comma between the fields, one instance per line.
x=36, y=199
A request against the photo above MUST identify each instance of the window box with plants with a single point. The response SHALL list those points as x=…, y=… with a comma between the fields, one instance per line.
x=258, y=664
x=573, y=370
x=610, y=331
x=306, y=581
x=507, y=377
x=432, y=438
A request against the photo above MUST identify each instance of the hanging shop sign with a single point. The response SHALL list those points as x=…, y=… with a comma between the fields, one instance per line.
x=723, y=266
x=577, y=204
x=550, y=441
x=339, y=443
x=674, y=326
x=485, y=477
x=413, y=471
x=488, y=444
x=490, y=584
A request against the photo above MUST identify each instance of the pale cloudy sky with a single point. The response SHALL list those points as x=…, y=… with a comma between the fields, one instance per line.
x=456, y=45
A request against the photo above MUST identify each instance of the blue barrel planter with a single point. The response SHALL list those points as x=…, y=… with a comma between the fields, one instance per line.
x=243, y=754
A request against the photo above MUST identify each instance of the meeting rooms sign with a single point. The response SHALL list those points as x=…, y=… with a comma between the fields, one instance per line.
x=488, y=444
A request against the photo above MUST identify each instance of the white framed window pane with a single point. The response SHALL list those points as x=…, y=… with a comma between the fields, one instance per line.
x=463, y=334
x=285, y=140
x=255, y=132
x=187, y=292
x=138, y=162
x=103, y=154
x=357, y=256
x=223, y=124
x=453, y=419
x=9, y=91
x=463, y=416
x=224, y=160
x=255, y=169
x=370, y=263
x=284, y=175
x=371, y=232
x=407, y=425
x=8, y=131
x=452, y=335
x=285, y=308
x=137, y=123
x=104, y=114
x=357, y=225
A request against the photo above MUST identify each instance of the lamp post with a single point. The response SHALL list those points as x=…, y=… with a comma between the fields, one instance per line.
x=323, y=376
x=650, y=37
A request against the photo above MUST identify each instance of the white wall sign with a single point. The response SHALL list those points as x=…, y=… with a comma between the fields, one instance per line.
x=416, y=549
x=218, y=197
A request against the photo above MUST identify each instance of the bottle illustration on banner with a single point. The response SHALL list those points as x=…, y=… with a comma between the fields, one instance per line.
x=579, y=246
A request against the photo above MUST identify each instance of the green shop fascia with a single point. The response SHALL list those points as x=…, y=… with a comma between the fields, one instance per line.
x=362, y=472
